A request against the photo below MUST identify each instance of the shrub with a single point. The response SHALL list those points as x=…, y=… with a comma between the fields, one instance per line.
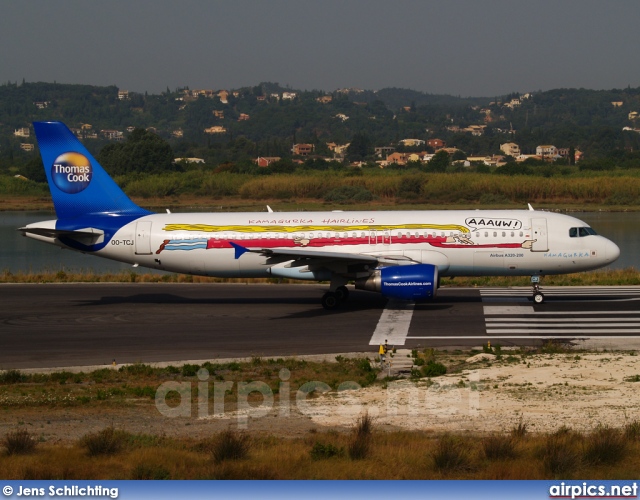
x=558, y=454
x=498, y=447
x=11, y=377
x=347, y=194
x=450, y=454
x=433, y=369
x=231, y=445
x=360, y=444
x=323, y=451
x=19, y=442
x=520, y=429
x=150, y=472
x=632, y=430
x=605, y=445
x=105, y=442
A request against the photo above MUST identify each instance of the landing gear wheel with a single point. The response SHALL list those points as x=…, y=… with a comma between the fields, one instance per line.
x=538, y=298
x=330, y=301
x=342, y=292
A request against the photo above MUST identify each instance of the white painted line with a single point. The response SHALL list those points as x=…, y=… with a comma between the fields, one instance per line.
x=508, y=310
x=563, y=313
x=394, y=323
x=488, y=337
x=536, y=324
x=567, y=331
x=584, y=321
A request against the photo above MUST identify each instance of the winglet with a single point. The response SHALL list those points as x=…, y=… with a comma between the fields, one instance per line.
x=240, y=250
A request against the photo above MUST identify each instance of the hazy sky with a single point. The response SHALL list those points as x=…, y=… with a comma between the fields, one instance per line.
x=459, y=47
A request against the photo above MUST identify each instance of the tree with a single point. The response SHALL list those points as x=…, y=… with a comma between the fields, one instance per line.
x=143, y=152
x=359, y=148
x=439, y=162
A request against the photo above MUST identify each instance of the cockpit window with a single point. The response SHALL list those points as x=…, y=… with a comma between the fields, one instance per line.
x=579, y=232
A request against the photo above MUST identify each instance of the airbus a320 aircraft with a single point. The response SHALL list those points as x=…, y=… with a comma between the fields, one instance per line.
x=401, y=254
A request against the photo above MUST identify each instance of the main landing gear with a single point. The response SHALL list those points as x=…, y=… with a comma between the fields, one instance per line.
x=333, y=299
x=538, y=296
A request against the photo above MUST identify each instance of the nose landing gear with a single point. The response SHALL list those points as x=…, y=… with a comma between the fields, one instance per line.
x=538, y=296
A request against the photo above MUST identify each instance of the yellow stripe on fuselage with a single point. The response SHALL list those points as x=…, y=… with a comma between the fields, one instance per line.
x=205, y=228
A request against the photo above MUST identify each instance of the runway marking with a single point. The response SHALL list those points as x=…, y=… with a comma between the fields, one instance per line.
x=509, y=321
x=510, y=337
x=394, y=323
x=520, y=294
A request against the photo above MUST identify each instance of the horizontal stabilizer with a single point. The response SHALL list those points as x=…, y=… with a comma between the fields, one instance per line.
x=86, y=236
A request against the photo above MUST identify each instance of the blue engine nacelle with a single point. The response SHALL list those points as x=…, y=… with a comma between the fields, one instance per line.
x=414, y=282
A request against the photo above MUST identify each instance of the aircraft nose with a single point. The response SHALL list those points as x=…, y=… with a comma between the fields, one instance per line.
x=612, y=251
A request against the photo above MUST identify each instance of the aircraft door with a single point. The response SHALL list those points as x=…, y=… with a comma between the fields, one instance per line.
x=143, y=238
x=386, y=237
x=539, y=233
x=373, y=238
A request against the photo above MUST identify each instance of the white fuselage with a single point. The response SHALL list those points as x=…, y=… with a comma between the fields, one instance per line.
x=459, y=243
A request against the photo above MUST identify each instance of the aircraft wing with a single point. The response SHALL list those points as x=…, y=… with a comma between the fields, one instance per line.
x=306, y=256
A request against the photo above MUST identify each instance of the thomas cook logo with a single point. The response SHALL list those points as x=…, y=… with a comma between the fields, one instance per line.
x=71, y=172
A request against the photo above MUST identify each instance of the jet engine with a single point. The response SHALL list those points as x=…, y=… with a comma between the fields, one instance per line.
x=413, y=282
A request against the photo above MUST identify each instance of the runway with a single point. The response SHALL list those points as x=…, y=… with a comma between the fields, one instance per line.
x=59, y=325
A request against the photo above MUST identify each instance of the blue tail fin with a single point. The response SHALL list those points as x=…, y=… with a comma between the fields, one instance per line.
x=79, y=185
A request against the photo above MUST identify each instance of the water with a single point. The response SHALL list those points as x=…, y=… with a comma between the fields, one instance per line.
x=24, y=254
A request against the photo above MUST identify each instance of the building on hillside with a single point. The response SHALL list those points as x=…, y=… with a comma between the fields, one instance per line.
x=265, y=161
x=412, y=142
x=289, y=96
x=112, y=135
x=22, y=132
x=243, y=117
x=216, y=129
x=188, y=160
x=218, y=113
x=398, y=158
x=475, y=130
x=302, y=149
x=123, y=95
x=223, y=95
x=382, y=151
x=325, y=99
x=547, y=151
x=510, y=149
x=521, y=158
x=633, y=115
x=436, y=144
x=25, y=146
x=617, y=104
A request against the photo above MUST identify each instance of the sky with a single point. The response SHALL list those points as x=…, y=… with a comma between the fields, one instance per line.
x=471, y=48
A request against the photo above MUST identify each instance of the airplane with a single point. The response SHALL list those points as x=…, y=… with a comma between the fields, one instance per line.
x=400, y=254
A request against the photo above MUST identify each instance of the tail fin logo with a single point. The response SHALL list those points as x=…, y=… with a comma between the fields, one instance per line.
x=71, y=172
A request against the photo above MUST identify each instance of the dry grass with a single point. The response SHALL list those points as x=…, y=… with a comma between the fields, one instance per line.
x=392, y=455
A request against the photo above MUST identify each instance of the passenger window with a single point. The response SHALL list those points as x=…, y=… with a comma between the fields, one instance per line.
x=478, y=235
x=503, y=234
x=512, y=234
x=495, y=234
x=486, y=234
x=521, y=235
